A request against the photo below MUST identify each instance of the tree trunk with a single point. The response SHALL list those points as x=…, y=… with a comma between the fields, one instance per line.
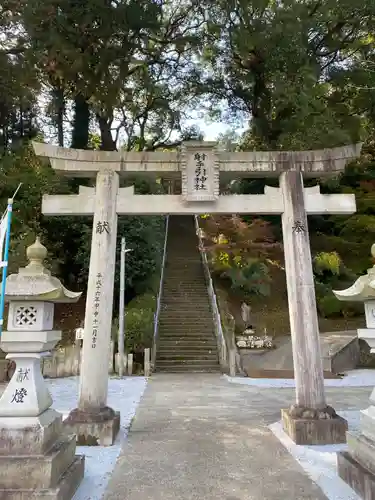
x=58, y=95
x=107, y=142
x=81, y=122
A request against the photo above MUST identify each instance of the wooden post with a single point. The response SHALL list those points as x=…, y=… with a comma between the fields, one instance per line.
x=147, y=362
x=130, y=364
x=304, y=327
x=232, y=363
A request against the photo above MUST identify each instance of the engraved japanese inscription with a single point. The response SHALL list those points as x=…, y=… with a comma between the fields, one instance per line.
x=95, y=311
x=200, y=173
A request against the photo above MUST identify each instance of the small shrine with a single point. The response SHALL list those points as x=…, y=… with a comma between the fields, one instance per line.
x=248, y=338
x=36, y=457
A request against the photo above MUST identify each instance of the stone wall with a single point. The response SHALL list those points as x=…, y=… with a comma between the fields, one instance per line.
x=65, y=362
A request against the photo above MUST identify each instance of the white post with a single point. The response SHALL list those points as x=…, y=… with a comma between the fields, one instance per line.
x=99, y=301
x=121, y=312
x=147, y=362
x=130, y=364
x=121, y=326
x=304, y=327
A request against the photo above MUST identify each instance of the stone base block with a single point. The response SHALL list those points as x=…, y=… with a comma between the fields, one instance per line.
x=93, y=429
x=314, y=431
x=64, y=490
x=358, y=477
x=362, y=449
x=29, y=435
x=37, y=471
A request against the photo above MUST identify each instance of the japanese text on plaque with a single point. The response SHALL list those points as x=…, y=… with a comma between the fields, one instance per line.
x=200, y=177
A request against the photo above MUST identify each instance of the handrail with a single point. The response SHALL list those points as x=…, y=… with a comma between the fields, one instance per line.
x=160, y=292
x=213, y=299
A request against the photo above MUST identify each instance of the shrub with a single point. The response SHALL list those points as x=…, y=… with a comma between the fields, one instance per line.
x=327, y=262
x=250, y=278
x=330, y=307
x=139, y=323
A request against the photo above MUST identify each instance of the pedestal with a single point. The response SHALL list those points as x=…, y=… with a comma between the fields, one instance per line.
x=314, y=431
x=99, y=428
x=36, y=459
x=93, y=422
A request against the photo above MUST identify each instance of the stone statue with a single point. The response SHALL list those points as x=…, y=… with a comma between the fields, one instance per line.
x=246, y=315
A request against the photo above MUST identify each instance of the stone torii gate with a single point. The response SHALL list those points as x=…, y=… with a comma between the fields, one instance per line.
x=201, y=166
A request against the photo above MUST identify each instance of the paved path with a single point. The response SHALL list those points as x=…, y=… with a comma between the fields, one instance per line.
x=201, y=437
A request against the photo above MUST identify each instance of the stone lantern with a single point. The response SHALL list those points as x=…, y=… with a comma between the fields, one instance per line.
x=36, y=457
x=357, y=465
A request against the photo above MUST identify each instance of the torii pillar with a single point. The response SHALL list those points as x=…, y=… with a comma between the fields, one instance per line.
x=310, y=420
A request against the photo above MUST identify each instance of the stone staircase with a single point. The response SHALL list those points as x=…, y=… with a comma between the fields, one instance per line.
x=186, y=341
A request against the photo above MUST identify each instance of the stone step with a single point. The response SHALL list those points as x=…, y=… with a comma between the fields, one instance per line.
x=183, y=282
x=186, y=313
x=188, y=296
x=184, y=308
x=181, y=288
x=186, y=328
x=178, y=269
x=184, y=278
x=182, y=285
x=186, y=316
x=193, y=337
x=188, y=276
x=188, y=349
x=188, y=367
x=180, y=273
x=192, y=297
x=198, y=302
x=181, y=307
x=184, y=356
x=186, y=305
x=183, y=292
x=186, y=343
x=204, y=334
x=184, y=324
x=177, y=266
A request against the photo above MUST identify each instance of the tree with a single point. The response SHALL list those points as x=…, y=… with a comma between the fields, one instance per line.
x=241, y=252
x=272, y=62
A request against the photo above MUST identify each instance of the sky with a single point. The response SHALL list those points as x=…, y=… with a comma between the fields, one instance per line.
x=213, y=130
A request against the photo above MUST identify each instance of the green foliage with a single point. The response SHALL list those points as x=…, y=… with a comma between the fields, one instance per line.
x=331, y=274
x=282, y=63
x=21, y=166
x=330, y=307
x=145, y=236
x=327, y=262
x=249, y=278
x=139, y=323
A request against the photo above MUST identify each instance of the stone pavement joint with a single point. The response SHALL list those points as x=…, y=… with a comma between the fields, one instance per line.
x=197, y=436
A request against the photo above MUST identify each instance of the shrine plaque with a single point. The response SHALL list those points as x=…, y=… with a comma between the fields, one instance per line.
x=199, y=171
